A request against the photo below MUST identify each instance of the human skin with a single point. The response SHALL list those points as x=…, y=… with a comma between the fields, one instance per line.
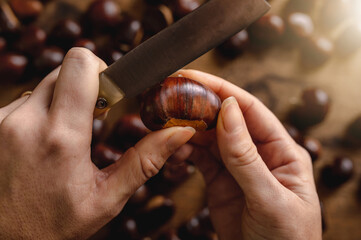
x=260, y=183
x=49, y=188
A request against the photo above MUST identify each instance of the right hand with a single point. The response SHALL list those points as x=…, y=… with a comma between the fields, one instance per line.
x=259, y=181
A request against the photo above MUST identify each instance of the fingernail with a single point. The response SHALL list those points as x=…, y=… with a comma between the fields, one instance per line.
x=180, y=137
x=231, y=115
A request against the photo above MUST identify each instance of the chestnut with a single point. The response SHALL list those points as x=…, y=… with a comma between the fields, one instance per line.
x=110, y=55
x=65, y=33
x=235, y=45
x=268, y=29
x=103, y=156
x=313, y=147
x=315, y=51
x=86, y=43
x=9, y=23
x=32, y=39
x=26, y=9
x=156, y=213
x=294, y=133
x=2, y=44
x=339, y=172
x=104, y=13
x=312, y=110
x=127, y=132
x=99, y=127
x=179, y=101
x=349, y=40
x=177, y=173
x=129, y=33
x=300, y=25
x=353, y=132
x=126, y=228
x=140, y=196
x=156, y=19
x=12, y=67
x=182, y=8
x=48, y=59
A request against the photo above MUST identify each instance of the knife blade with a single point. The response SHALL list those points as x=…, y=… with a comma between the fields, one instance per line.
x=174, y=47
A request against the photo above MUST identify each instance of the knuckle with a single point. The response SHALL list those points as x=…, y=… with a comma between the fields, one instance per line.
x=150, y=164
x=81, y=55
x=245, y=154
x=12, y=128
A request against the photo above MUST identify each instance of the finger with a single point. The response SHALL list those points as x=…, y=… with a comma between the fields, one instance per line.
x=5, y=111
x=240, y=155
x=142, y=162
x=262, y=124
x=77, y=87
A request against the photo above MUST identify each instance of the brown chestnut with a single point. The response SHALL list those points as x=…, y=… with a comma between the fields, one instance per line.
x=65, y=33
x=110, y=55
x=268, y=29
x=12, y=67
x=294, y=133
x=32, y=39
x=129, y=33
x=103, y=156
x=140, y=196
x=179, y=101
x=127, y=132
x=353, y=132
x=198, y=227
x=156, y=19
x=338, y=173
x=104, y=13
x=48, y=59
x=313, y=147
x=235, y=45
x=312, y=110
x=99, y=127
x=182, y=8
x=25, y=9
x=177, y=173
x=316, y=51
x=300, y=25
x=86, y=43
x=9, y=23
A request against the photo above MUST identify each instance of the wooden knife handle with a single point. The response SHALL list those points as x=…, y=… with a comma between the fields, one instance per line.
x=109, y=94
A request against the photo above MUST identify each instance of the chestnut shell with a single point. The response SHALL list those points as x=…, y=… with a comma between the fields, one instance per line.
x=180, y=101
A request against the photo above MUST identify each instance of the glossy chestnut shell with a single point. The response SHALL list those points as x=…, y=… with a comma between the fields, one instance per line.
x=180, y=101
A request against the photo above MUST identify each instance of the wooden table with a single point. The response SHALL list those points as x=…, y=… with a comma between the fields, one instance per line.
x=279, y=70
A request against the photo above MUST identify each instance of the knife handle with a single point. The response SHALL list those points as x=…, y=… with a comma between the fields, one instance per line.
x=109, y=94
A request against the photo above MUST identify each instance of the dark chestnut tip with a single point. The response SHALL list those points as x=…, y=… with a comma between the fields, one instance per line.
x=268, y=29
x=32, y=39
x=341, y=170
x=12, y=67
x=104, y=13
x=129, y=33
x=181, y=8
x=313, y=147
x=27, y=9
x=66, y=32
x=235, y=45
x=103, y=156
x=48, y=59
x=86, y=43
x=179, y=101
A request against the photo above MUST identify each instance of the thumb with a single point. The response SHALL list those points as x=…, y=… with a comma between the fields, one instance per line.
x=142, y=162
x=240, y=155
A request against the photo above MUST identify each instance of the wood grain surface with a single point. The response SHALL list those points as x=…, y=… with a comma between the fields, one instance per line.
x=275, y=75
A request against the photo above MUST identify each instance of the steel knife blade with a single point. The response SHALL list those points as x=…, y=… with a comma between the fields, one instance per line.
x=174, y=47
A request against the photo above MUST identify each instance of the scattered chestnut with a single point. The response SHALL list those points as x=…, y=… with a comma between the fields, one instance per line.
x=86, y=43
x=338, y=173
x=183, y=7
x=315, y=51
x=129, y=33
x=103, y=156
x=294, y=133
x=313, y=147
x=155, y=214
x=156, y=19
x=177, y=173
x=99, y=127
x=2, y=44
x=349, y=40
x=353, y=132
x=300, y=25
x=9, y=23
x=312, y=110
x=12, y=67
x=32, y=39
x=127, y=132
x=27, y=8
x=268, y=29
x=179, y=101
x=104, y=13
x=127, y=228
x=140, y=196
x=49, y=58
x=235, y=45
x=66, y=32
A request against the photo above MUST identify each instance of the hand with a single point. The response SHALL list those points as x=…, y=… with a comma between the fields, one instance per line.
x=259, y=181
x=49, y=188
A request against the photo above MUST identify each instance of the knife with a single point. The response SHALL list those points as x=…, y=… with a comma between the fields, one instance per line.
x=174, y=47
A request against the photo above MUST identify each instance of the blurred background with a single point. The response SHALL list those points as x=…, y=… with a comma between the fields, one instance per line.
x=302, y=60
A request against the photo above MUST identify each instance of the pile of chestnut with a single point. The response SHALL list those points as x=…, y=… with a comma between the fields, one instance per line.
x=29, y=52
